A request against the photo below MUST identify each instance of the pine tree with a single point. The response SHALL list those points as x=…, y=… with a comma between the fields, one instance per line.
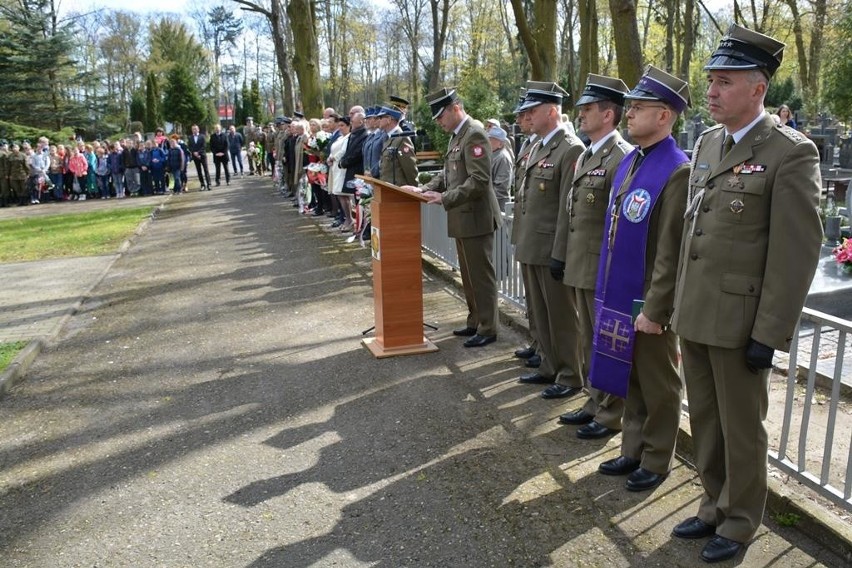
x=181, y=103
x=152, y=103
x=137, y=107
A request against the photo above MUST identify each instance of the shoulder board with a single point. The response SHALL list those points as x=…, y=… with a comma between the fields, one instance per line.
x=709, y=130
x=791, y=134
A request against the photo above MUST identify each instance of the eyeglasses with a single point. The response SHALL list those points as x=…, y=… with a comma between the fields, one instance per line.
x=640, y=107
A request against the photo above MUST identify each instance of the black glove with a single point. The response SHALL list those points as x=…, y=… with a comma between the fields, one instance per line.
x=557, y=269
x=758, y=356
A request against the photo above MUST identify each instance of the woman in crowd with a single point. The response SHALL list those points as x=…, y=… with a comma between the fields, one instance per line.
x=336, y=174
x=79, y=168
x=54, y=172
x=786, y=116
x=91, y=176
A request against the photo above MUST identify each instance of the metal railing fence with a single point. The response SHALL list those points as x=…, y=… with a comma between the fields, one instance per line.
x=812, y=462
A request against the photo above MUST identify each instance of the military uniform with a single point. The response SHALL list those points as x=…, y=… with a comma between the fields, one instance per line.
x=648, y=198
x=19, y=171
x=5, y=192
x=547, y=180
x=398, y=163
x=751, y=244
x=472, y=214
x=756, y=217
x=578, y=239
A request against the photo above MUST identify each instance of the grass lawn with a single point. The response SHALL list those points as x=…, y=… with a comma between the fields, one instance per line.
x=56, y=236
x=8, y=351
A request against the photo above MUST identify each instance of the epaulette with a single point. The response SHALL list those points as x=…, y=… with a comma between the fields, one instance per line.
x=625, y=146
x=790, y=133
x=708, y=131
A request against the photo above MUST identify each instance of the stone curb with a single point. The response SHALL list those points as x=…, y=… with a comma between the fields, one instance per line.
x=812, y=520
x=17, y=369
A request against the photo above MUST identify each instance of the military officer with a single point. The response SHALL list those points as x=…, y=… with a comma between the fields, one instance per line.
x=18, y=171
x=463, y=188
x=283, y=166
x=402, y=105
x=580, y=231
x=634, y=352
x=398, y=164
x=372, y=159
x=5, y=192
x=529, y=353
x=751, y=243
x=548, y=173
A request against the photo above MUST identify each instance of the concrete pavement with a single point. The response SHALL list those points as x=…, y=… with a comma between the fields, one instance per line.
x=210, y=404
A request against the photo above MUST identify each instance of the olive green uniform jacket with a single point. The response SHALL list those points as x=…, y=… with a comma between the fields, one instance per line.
x=751, y=243
x=578, y=237
x=398, y=164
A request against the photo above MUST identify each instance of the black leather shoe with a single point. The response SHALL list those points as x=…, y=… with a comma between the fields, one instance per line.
x=576, y=417
x=524, y=353
x=533, y=362
x=593, y=431
x=559, y=391
x=480, y=340
x=621, y=465
x=643, y=480
x=465, y=331
x=693, y=527
x=720, y=548
x=535, y=379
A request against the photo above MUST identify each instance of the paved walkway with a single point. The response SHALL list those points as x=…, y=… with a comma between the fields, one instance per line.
x=210, y=404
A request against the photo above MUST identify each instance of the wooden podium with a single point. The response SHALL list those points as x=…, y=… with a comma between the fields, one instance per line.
x=397, y=271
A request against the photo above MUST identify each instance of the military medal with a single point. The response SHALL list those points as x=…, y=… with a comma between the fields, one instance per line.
x=541, y=186
x=734, y=180
x=590, y=198
x=737, y=206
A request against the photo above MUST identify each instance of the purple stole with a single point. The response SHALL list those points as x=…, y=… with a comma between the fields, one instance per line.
x=621, y=271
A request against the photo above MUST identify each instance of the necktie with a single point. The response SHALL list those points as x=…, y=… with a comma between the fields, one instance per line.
x=729, y=143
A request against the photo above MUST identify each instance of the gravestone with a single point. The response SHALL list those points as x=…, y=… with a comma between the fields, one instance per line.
x=846, y=152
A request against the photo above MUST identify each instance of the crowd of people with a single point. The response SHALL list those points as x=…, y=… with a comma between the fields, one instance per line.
x=129, y=167
x=628, y=252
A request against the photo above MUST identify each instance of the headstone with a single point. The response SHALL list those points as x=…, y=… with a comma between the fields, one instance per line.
x=846, y=152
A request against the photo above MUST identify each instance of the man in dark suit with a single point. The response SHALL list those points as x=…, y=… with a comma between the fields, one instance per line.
x=580, y=230
x=219, y=148
x=464, y=190
x=751, y=244
x=198, y=150
x=352, y=162
x=548, y=173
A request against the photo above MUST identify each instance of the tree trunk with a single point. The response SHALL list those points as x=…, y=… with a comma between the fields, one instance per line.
x=671, y=13
x=540, y=40
x=280, y=36
x=689, y=32
x=440, y=14
x=589, y=47
x=627, y=47
x=306, y=55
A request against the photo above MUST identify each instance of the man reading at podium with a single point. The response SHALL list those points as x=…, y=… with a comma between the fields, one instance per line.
x=463, y=187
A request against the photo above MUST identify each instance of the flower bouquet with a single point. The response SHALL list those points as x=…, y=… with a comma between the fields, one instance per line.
x=843, y=256
x=317, y=173
x=318, y=144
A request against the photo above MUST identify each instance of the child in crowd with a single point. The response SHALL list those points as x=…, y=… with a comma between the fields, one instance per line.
x=91, y=176
x=103, y=172
x=158, y=169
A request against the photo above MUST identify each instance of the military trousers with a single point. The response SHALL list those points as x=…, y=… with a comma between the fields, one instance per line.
x=533, y=330
x=652, y=408
x=727, y=410
x=605, y=407
x=555, y=312
x=476, y=264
